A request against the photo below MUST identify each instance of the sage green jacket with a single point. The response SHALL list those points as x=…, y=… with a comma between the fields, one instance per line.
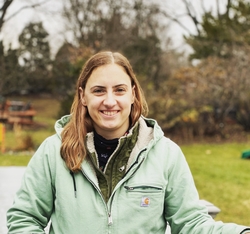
x=156, y=187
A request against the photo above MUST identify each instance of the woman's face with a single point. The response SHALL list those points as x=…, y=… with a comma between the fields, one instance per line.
x=108, y=96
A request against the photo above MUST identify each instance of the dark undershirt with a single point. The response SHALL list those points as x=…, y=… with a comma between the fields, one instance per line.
x=104, y=149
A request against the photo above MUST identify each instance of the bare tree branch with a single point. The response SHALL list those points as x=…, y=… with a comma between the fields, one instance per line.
x=176, y=20
x=4, y=9
x=26, y=7
x=193, y=16
x=228, y=7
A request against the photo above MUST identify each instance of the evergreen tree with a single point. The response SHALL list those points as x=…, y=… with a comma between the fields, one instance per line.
x=222, y=35
x=11, y=79
x=35, y=58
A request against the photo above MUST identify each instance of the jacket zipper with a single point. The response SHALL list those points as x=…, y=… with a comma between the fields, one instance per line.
x=118, y=149
x=135, y=162
x=143, y=187
x=108, y=212
x=110, y=221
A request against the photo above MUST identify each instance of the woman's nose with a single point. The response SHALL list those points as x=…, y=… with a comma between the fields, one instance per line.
x=109, y=99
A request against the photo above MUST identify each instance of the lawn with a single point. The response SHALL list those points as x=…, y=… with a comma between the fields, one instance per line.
x=222, y=178
x=15, y=160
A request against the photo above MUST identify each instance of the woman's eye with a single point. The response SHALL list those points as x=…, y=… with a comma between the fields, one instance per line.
x=98, y=91
x=120, y=90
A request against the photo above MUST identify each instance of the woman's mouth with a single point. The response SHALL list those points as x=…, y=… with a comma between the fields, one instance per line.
x=109, y=113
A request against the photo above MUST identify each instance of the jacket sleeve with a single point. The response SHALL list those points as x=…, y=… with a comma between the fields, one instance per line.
x=182, y=208
x=33, y=203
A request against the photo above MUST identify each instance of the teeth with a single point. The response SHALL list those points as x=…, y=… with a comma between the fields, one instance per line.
x=109, y=113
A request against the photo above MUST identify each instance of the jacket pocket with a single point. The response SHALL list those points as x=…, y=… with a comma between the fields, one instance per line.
x=141, y=207
x=144, y=189
x=145, y=194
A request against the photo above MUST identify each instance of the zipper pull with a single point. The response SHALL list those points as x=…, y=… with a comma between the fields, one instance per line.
x=110, y=221
x=128, y=188
x=121, y=169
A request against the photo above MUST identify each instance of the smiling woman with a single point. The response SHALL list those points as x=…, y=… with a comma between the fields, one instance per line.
x=108, y=96
x=109, y=169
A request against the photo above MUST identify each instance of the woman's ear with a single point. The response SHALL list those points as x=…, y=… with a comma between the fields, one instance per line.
x=82, y=97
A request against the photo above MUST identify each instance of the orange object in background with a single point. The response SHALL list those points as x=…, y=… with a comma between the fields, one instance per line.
x=2, y=137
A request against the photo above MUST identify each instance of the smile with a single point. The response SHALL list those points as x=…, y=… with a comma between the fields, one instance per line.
x=109, y=113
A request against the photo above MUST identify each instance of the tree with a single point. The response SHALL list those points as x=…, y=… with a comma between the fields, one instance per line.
x=128, y=27
x=219, y=31
x=3, y=10
x=11, y=78
x=221, y=43
x=34, y=56
x=66, y=69
x=222, y=35
x=207, y=96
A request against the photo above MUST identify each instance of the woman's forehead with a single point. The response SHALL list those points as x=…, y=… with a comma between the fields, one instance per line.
x=111, y=73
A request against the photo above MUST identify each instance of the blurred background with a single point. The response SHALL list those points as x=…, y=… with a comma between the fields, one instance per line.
x=191, y=57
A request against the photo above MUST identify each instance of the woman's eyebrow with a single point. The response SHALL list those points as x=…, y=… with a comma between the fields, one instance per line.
x=104, y=87
x=120, y=85
x=97, y=86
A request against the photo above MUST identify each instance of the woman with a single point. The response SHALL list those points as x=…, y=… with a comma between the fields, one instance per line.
x=108, y=169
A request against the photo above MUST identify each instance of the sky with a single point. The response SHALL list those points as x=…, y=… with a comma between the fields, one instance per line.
x=51, y=20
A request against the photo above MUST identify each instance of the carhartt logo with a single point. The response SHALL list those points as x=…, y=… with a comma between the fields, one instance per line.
x=145, y=201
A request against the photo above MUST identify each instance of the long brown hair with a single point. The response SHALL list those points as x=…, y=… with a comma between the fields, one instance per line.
x=73, y=149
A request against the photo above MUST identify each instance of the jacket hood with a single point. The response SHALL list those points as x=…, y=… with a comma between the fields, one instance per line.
x=150, y=128
x=59, y=125
x=149, y=134
x=155, y=130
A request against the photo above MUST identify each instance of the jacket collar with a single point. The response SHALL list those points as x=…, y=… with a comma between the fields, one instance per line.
x=149, y=133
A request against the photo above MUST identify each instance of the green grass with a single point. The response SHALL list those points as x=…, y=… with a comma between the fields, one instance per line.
x=15, y=160
x=222, y=178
